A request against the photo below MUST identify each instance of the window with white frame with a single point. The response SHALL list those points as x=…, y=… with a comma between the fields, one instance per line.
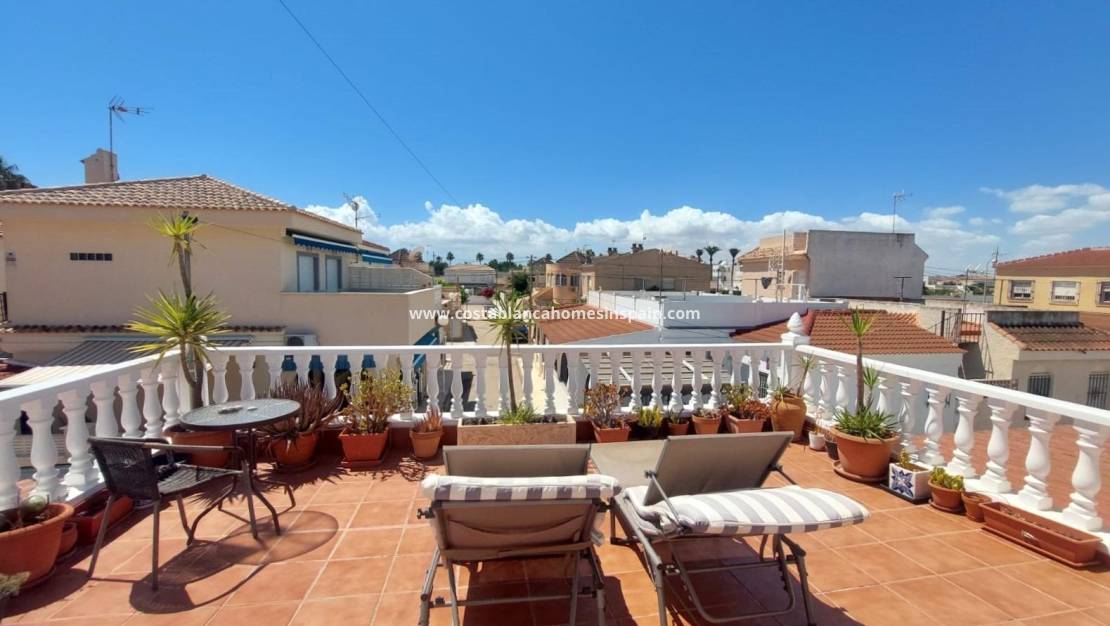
x=1065, y=291
x=1104, y=293
x=1040, y=384
x=1021, y=290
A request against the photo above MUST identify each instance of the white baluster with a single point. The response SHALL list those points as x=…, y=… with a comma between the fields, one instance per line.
x=1083, y=510
x=736, y=360
x=812, y=390
x=303, y=360
x=826, y=397
x=245, y=363
x=715, y=378
x=9, y=468
x=406, y=377
x=964, y=439
x=695, y=380
x=275, y=361
x=330, y=361
x=998, y=448
x=527, y=357
x=844, y=388
x=43, y=454
x=152, y=407
x=908, y=412
x=502, y=383
x=676, y=380
x=934, y=425
x=104, y=398
x=635, y=401
x=170, y=402
x=772, y=374
x=656, y=379
x=431, y=374
x=574, y=374
x=551, y=361
x=595, y=368
x=219, y=376
x=82, y=474
x=1034, y=494
x=753, y=372
x=130, y=418
x=456, y=384
x=480, y=384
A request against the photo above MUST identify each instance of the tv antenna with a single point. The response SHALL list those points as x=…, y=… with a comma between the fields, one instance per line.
x=898, y=196
x=117, y=108
x=355, y=206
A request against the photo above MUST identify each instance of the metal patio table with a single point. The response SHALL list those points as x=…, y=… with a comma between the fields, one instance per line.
x=247, y=416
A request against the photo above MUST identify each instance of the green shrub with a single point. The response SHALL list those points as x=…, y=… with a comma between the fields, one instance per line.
x=866, y=422
x=941, y=478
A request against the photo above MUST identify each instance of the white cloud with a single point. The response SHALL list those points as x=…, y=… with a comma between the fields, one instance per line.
x=1045, y=199
x=977, y=221
x=945, y=211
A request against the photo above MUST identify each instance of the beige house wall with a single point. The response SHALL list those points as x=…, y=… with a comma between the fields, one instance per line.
x=1042, y=293
x=643, y=270
x=1070, y=370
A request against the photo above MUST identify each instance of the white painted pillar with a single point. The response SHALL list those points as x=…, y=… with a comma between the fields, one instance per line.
x=130, y=417
x=245, y=363
x=1083, y=510
x=656, y=379
x=1034, y=494
x=219, y=376
x=635, y=402
x=43, y=454
x=480, y=384
x=170, y=404
x=82, y=474
x=677, y=357
x=274, y=362
x=826, y=396
x=998, y=448
x=715, y=394
x=964, y=438
x=695, y=384
x=551, y=361
x=9, y=468
x=152, y=407
x=934, y=425
x=844, y=388
x=909, y=409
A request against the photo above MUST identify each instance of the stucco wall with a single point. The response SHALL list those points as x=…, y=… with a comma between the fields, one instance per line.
x=856, y=264
x=1042, y=293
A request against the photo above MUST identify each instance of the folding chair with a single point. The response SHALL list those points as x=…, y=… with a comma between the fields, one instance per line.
x=711, y=486
x=515, y=502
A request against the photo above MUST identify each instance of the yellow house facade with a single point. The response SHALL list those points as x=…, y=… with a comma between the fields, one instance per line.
x=1075, y=280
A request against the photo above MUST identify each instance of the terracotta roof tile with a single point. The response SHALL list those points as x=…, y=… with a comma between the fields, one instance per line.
x=1092, y=258
x=891, y=333
x=1078, y=337
x=566, y=326
x=186, y=192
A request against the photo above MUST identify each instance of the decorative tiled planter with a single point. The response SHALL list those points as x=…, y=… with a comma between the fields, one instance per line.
x=561, y=431
x=908, y=484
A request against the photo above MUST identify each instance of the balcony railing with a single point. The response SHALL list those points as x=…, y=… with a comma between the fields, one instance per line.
x=143, y=397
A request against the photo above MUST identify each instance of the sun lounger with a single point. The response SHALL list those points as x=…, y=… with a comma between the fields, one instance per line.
x=711, y=486
x=514, y=502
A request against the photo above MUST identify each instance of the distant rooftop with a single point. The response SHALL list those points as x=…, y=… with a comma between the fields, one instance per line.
x=1090, y=259
x=1044, y=331
x=570, y=329
x=891, y=333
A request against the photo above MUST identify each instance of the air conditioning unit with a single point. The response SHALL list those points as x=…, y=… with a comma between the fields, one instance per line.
x=301, y=340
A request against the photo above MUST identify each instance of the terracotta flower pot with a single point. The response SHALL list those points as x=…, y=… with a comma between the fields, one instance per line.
x=737, y=425
x=611, y=435
x=706, y=425
x=88, y=520
x=945, y=499
x=363, y=449
x=425, y=445
x=182, y=437
x=789, y=414
x=296, y=453
x=69, y=539
x=34, y=548
x=677, y=429
x=973, y=505
x=1040, y=534
x=864, y=459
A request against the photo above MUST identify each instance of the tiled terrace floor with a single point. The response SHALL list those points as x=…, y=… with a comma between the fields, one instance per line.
x=354, y=553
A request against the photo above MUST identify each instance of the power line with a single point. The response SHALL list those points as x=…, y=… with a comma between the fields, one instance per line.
x=367, y=102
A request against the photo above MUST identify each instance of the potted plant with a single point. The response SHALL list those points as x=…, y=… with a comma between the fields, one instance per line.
x=89, y=516
x=817, y=438
x=909, y=480
x=788, y=406
x=365, y=436
x=706, y=422
x=180, y=436
x=293, y=441
x=865, y=437
x=602, y=407
x=426, y=433
x=678, y=423
x=1053, y=539
x=973, y=505
x=9, y=587
x=946, y=490
x=30, y=535
x=69, y=539
x=831, y=448
x=650, y=422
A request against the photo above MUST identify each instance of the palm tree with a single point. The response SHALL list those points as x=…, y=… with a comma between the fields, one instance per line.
x=180, y=229
x=509, y=257
x=859, y=324
x=711, y=250
x=547, y=257
x=450, y=257
x=480, y=257
x=699, y=252
x=732, y=252
x=10, y=178
x=507, y=316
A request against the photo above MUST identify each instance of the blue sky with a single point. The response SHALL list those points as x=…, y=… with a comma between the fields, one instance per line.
x=570, y=124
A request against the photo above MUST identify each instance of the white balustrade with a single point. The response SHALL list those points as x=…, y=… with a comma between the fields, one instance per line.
x=909, y=410
x=44, y=456
x=1038, y=462
x=934, y=425
x=82, y=472
x=1083, y=510
x=964, y=439
x=130, y=418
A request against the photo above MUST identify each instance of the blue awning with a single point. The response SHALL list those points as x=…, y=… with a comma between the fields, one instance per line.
x=376, y=257
x=323, y=244
x=430, y=338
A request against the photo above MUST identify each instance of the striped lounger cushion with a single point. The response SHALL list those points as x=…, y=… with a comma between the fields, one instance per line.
x=473, y=489
x=790, y=509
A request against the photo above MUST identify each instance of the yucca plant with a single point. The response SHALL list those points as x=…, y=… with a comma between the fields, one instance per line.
x=183, y=323
x=866, y=423
x=859, y=324
x=432, y=422
x=510, y=323
x=521, y=414
x=317, y=410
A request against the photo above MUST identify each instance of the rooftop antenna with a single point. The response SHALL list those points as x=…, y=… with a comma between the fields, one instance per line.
x=355, y=206
x=898, y=196
x=117, y=108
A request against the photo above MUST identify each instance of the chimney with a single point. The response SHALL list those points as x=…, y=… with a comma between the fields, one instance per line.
x=101, y=167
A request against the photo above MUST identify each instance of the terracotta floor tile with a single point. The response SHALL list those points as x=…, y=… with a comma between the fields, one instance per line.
x=104, y=597
x=350, y=577
x=285, y=581
x=874, y=498
x=946, y=602
x=382, y=513
x=268, y=614
x=363, y=543
x=1073, y=618
x=398, y=608
x=393, y=490
x=304, y=546
x=988, y=549
x=1059, y=583
x=1017, y=600
x=194, y=617
x=927, y=520
x=885, y=527
x=845, y=536
x=882, y=563
x=829, y=571
x=936, y=554
x=879, y=605
x=407, y=573
x=417, y=539
x=352, y=610
x=340, y=493
x=1100, y=614
x=330, y=517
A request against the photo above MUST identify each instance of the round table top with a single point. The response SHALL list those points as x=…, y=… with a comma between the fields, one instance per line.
x=240, y=415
